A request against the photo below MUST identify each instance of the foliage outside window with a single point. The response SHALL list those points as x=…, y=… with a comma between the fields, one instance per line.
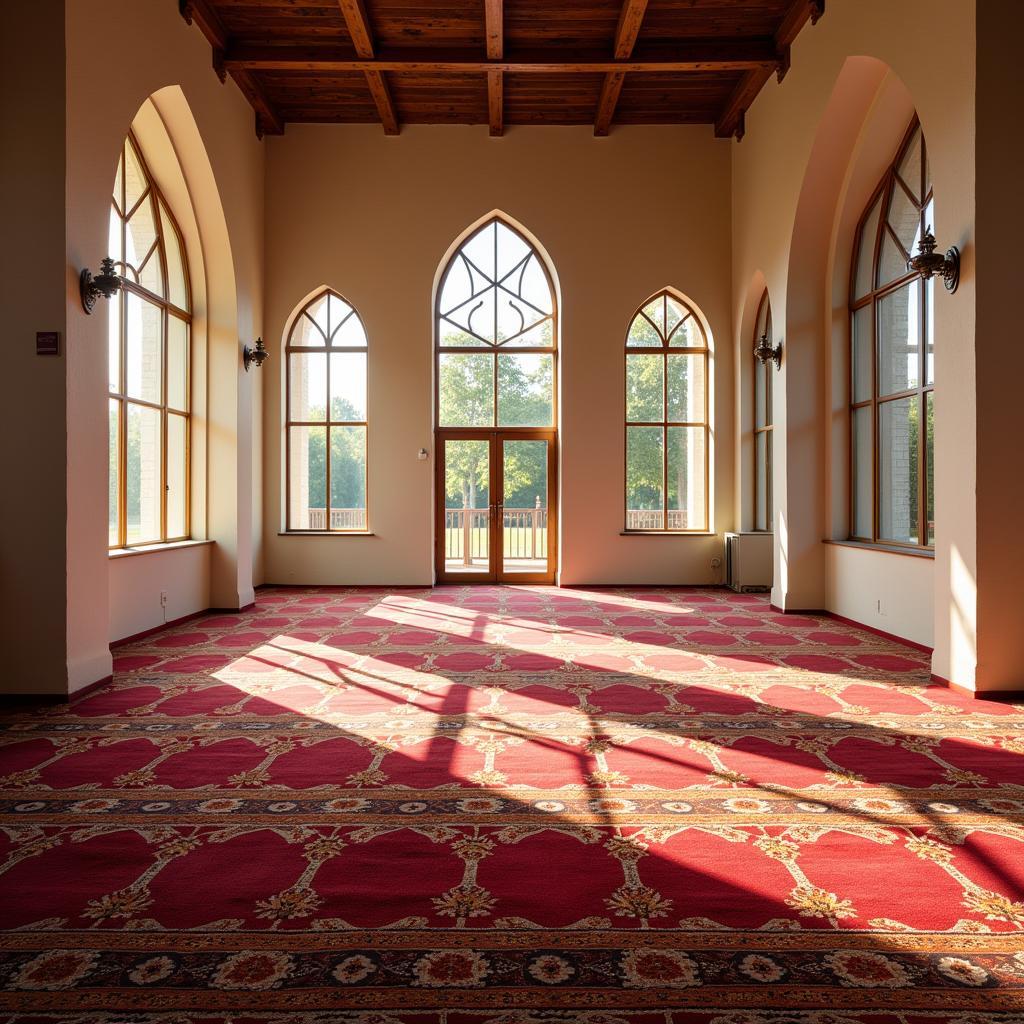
x=325, y=419
x=666, y=418
x=149, y=352
x=496, y=365
x=763, y=433
x=892, y=366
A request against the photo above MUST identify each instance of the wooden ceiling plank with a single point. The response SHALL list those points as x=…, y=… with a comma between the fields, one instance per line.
x=494, y=18
x=630, y=18
x=496, y=102
x=731, y=120
x=358, y=24
x=267, y=120
x=382, y=98
x=610, y=90
x=494, y=14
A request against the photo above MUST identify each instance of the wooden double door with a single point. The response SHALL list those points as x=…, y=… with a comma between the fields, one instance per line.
x=496, y=516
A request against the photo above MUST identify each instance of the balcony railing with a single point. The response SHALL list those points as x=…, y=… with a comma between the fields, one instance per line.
x=341, y=519
x=654, y=519
x=467, y=534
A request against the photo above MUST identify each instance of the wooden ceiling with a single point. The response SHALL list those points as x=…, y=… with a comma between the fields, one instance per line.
x=499, y=62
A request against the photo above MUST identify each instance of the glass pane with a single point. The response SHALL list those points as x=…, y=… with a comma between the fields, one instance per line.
x=151, y=274
x=307, y=381
x=655, y=310
x=891, y=261
x=306, y=331
x=135, y=183
x=685, y=388
x=645, y=478
x=143, y=328
x=860, y=377
x=466, y=506
x=899, y=339
x=512, y=251
x=760, y=394
x=307, y=478
x=525, y=512
x=525, y=389
x=338, y=312
x=761, y=480
x=114, y=342
x=143, y=474
x=177, y=363
x=929, y=323
x=349, y=333
x=466, y=390
x=177, y=468
x=480, y=249
x=348, y=478
x=177, y=287
x=687, y=335
x=141, y=235
x=475, y=317
x=930, y=464
x=674, y=312
x=642, y=333
x=645, y=383
x=862, y=282
x=541, y=335
x=909, y=168
x=119, y=183
x=860, y=460
x=687, y=509
x=114, y=236
x=898, y=461
x=904, y=218
x=113, y=483
x=348, y=385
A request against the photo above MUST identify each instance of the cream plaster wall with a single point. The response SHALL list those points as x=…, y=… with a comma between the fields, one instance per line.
x=620, y=218
x=788, y=176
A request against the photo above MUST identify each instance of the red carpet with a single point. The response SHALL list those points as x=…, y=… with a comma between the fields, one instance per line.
x=500, y=805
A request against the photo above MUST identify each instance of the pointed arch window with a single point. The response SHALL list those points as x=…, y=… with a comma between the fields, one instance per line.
x=149, y=355
x=763, y=434
x=326, y=418
x=892, y=371
x=666, y=418
x=496, y=334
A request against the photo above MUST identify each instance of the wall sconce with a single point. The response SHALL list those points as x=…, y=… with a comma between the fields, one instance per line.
x=928, y=262
x=255, y=355
x=107, y=283
x=763, y=351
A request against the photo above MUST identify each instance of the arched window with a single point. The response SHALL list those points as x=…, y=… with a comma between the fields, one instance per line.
x=496, y=334
x=325, y=417
x=149, y=354
x=763, y=421
x=892, y=379
x=666, y=418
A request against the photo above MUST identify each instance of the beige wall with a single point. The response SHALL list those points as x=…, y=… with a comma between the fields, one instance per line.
x=373, y=218
x=789, y=176
x=32, y=417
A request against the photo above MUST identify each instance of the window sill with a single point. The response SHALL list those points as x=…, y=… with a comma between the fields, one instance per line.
x=149, y=549
x=889, y=549
x=326, y=533
x=667, y=533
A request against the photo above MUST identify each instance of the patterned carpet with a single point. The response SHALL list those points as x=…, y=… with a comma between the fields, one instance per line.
x=500, y=805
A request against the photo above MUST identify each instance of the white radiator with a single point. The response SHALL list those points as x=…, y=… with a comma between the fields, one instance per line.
x=748, y=561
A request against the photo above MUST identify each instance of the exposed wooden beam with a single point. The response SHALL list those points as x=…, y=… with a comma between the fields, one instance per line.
x=496, y=102
x=630, y=18
x=740, y=56
x=358, y=25
x=206, y=19
x=731, y=120
x=494, y=15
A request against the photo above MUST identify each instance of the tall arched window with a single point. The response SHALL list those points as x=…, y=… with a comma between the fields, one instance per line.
x=149, y=354
x=666, y=418
x=495, y=411
x=763, y=421
x=892, y=379
x=325, y=417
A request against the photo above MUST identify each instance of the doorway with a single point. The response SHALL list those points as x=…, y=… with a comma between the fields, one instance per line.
x=496, y=519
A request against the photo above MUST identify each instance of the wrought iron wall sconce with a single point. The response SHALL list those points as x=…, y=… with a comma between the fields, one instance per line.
x=764, y=350
x=106, y=283
x=255, y=355
x=928, y=262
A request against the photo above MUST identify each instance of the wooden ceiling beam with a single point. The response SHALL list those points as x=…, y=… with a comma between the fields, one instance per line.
x=731, y=120
x=626, y=32
x=358, y=25
x=742, y=56
x=494, y=16
x=206, y=19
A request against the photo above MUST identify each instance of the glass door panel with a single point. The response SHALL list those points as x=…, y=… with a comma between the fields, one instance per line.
x=525, y=545
x=467, y=507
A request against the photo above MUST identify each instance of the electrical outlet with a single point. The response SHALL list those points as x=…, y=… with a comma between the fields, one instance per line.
x=716, y=562
x=881, y=608
x=163, y=598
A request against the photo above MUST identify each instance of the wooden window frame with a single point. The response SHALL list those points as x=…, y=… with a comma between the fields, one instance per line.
x=666, y=350
x=167, y=309
x=764, y=369
x=882, y=196
x=328, y=349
